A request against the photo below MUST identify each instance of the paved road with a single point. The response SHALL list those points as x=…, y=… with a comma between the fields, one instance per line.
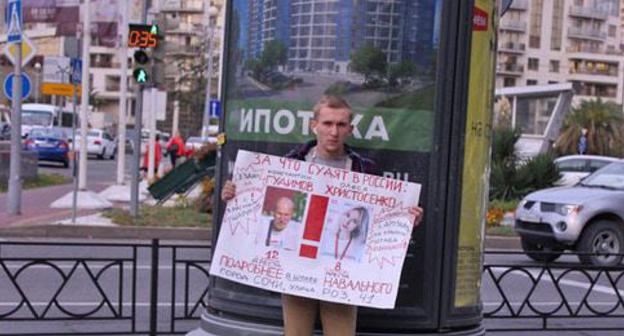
x=40, y=281
x=114, y=291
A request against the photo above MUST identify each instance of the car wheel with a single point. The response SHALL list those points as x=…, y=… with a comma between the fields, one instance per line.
x=604, y=238
x=540, y=252
x=101, y=155
x=66, y=164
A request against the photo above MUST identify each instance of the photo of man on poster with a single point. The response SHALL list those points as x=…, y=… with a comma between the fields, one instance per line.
x=279, y=230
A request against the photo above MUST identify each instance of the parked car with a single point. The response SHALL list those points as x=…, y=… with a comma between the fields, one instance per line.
x=50, y=145
x=193, y=144
x=586, y=217
x=99, y=143
x=575, y=167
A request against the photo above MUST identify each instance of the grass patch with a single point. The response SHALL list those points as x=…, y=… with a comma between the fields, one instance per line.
x=43, y=180
x=506, y=231
x=157, y=216
x=421, y=99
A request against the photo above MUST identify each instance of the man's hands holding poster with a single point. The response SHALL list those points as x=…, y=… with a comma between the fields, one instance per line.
x=228, y=192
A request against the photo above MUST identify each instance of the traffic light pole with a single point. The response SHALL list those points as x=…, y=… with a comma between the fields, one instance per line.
x=136, y=157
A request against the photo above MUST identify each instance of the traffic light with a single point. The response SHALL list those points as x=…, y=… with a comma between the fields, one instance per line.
x=146, y=39
x=141, y=60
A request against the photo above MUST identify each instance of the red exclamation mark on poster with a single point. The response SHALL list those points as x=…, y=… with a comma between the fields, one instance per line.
x=314, y=226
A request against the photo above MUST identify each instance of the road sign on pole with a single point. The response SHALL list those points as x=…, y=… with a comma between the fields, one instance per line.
x=215, y=108
x=76, y=70
x=29, y=50
x=8, y=86
x=14, y=21
x=58, y=73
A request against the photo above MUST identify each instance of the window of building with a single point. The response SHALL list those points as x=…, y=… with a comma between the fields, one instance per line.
x=535, y=30
x=507, y=82
x=530, y=82
x=557, y=25
x=533, y=64
x=554, y=66
x=612, y=30
x=553, y=82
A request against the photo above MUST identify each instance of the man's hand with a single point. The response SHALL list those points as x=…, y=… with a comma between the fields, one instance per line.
x=228, y=191
x=417, y=212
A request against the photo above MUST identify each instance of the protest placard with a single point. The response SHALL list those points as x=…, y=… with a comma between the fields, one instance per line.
x=309, y=230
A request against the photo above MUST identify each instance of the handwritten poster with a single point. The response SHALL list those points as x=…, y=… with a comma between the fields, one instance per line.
x=309, y=230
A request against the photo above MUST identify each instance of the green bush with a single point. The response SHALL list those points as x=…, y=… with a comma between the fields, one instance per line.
x=511, y=179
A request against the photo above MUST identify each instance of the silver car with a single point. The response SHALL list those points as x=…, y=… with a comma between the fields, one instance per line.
x=586, y=217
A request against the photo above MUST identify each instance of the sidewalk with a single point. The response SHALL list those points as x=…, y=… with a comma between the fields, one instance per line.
x=36, y=205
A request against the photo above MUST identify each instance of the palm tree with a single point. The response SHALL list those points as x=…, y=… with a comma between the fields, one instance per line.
x=604, y=124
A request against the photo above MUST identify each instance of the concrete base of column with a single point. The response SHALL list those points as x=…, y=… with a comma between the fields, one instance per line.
x=212, y=325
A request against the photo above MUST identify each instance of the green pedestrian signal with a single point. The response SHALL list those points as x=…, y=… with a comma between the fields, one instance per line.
x=141, y=64
x=140, y=75
x=154, y=30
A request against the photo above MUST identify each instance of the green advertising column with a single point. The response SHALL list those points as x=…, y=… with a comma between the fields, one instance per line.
x=404, y=67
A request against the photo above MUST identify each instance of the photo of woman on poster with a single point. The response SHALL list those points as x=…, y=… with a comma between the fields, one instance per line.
x=345, y=238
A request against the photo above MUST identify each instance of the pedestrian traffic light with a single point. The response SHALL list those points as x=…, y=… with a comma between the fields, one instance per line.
x=146, y=38
x=141, y=60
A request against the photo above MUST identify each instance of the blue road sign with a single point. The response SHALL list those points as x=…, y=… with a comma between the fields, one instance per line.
x=14, y=21
x=8, y=86
x=215, y=108
x=76, y=70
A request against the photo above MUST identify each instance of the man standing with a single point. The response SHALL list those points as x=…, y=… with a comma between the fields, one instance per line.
x=332, y=127
x=175, y=148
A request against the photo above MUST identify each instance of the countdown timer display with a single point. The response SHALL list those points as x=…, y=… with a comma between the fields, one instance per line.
x=142, y=36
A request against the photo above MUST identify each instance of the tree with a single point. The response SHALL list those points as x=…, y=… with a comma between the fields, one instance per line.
x=604, y=124
x=274, y=54
x=511, y=179
x=402, y=70
x=253, y=65
x=369, y=61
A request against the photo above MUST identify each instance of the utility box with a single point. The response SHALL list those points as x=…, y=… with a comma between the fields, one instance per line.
x=419, y=75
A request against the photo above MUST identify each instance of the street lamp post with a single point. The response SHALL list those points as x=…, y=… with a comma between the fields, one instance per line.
x=211, y=13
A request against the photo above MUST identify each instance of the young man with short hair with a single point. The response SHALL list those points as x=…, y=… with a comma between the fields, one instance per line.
x=332, y=127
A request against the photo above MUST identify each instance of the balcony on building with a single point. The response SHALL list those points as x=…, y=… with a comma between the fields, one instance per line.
x=588, y=13
x=587, y=33
x=594, y=71
x=513, y=25
x=588, y=90
x=183, y=6
x=184, y=28
x=175, y=49
x=512, y=47
x=510, y=69
x=520, y=5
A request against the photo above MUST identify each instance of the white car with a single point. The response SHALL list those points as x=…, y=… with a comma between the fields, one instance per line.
x=575, y=167
x=99, y=143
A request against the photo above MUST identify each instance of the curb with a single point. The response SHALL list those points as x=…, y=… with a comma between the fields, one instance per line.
x=502, y=243
x=145, y=233
x=100, y=232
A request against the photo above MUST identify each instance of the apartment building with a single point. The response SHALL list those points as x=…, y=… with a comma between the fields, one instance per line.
x=187, y=37
x=563, y=41
x=320, y=39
